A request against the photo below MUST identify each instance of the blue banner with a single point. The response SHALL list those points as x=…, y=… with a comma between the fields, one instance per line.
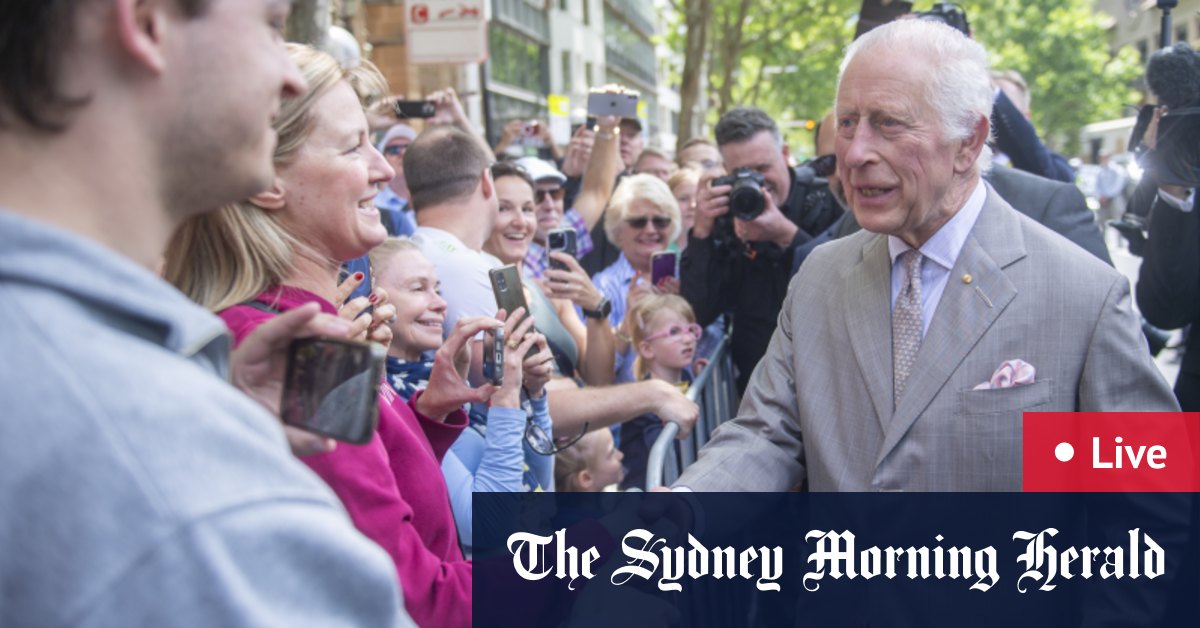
x=824, y=559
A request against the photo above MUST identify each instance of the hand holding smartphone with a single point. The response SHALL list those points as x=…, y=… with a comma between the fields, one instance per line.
x=564, y=241
x=493, y=355
x=331, y=387
x=510, y=294
x=663, y=265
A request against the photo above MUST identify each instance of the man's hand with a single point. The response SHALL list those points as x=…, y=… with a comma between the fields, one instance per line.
x=448, y=109
x=539, y=368
x=258, y=365
x=711, y=202
x=572, y=284
x=769, y=226
x=579, y=151
x=675, y=407
x=1150, y=139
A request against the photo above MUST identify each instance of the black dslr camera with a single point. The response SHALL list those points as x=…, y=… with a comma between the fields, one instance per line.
x=949, y=14
x=746, y=198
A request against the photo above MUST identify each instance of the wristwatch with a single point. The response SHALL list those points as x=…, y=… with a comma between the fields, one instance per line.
x=601, y=311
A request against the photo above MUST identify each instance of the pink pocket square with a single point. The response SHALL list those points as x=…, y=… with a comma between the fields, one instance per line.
x=1011, y=373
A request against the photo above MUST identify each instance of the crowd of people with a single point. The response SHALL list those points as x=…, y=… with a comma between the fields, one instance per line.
x=177, y=182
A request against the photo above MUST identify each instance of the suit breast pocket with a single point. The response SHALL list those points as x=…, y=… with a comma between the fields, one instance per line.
x=1017, y=398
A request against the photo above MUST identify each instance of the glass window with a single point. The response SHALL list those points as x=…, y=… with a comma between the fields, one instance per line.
x=518, y=60
x=567, y=86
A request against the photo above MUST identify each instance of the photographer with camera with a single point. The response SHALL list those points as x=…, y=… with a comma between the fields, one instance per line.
x=1168, y=290
x=751, y=226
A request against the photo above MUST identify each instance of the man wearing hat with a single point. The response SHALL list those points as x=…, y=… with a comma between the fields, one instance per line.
x=393, y=200
x=549, y=191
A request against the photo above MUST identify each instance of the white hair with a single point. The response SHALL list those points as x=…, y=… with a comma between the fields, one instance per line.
x=959, y=86
x=644, y=187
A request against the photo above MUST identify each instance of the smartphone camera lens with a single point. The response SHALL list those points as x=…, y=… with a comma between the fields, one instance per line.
x=501, y=282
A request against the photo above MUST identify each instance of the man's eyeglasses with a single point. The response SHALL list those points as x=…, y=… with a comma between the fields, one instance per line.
x=395, y=149
x=639, y=222
x=674, y=331
x=823, y=165
x=541, y=443
x=556, y=194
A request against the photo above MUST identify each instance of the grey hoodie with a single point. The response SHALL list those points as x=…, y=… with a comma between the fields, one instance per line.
x=137, y=487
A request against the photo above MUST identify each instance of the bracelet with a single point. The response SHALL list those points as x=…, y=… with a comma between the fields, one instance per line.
x=607, y=135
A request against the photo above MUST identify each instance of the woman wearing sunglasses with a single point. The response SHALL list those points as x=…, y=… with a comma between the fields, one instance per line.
x=489, y=456
x=642, y=219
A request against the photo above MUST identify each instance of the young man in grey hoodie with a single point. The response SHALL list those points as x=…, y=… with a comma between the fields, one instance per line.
x=139, y=487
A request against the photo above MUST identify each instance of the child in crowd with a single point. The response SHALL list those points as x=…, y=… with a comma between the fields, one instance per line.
x=664, y=334
x=592, y=464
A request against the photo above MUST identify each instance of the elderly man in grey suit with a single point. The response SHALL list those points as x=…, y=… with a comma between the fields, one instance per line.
x=906, y=353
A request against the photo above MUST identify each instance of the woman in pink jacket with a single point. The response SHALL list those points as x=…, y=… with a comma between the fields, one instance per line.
x=282, y=249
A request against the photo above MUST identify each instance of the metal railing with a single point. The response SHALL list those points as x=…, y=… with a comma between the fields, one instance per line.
x=716, y=394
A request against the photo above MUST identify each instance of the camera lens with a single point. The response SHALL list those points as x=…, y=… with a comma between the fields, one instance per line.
x=500, y=281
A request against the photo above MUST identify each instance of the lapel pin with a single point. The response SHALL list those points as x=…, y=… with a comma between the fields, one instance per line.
x=967, y=278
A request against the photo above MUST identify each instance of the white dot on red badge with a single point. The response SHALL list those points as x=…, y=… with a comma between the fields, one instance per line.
x=1064, y=452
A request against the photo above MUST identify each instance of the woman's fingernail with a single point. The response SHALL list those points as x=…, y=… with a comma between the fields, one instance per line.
x=373, y=298
x=358, y=276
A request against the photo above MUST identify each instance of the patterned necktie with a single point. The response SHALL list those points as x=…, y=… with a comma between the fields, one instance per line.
x=906, y=322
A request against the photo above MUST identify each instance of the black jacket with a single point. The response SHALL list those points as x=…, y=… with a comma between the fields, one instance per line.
x=750, y=282
x=1168, y=289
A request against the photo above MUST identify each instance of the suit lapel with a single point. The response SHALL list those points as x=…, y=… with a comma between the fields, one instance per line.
x=965, y=312
x=868, y=292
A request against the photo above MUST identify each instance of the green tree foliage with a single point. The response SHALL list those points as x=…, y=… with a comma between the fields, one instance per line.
x=1060, y=47
x=783, y=55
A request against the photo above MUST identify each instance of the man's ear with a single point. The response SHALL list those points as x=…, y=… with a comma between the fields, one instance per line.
x=141, y=26
x=968, y=151
x=272, y=199
x=486, y=186
x=787, y=153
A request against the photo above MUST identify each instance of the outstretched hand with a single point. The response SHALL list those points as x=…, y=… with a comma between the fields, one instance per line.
x=447, y=391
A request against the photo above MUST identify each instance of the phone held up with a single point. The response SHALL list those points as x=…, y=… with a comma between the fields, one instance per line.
x=510, y=294
x=620, y=104
x=564, y=241
x=493, y=355
x=415, y=108
x=331, y=387
x=663, y=265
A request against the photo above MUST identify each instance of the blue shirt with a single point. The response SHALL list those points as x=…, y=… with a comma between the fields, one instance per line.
x=139, y=487
x=940, y=252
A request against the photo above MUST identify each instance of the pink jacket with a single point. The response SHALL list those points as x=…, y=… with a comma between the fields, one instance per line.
x=393, y=487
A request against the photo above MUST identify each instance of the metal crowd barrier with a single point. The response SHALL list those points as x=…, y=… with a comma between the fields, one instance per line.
x=715, y=391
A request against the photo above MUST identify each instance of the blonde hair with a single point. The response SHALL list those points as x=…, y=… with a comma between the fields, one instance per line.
x=686, y=174
x=231, y=255
x=570, y=462
x=381, y=256
x=646, y=187
x=642, y=316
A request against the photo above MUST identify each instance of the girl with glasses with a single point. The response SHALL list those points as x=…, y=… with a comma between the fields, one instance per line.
x=664, y=335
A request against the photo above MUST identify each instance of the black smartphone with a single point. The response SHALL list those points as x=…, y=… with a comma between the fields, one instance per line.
x=510, y=295
x=415, y=108
x=563, y=240
x=331, y=387
x=623, y=105
x=493, y=355
x=663, y=264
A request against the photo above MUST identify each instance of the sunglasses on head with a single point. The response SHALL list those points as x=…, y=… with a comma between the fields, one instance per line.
x=556, y=194
x=541, y=443
x=395, y=149
x=675, y=331
x=660, y=222
x=823, y=165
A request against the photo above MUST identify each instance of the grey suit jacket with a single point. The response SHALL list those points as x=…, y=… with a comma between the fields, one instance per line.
x=819, y=405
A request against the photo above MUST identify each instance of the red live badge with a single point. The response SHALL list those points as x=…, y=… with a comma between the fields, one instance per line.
x=1111, y=452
